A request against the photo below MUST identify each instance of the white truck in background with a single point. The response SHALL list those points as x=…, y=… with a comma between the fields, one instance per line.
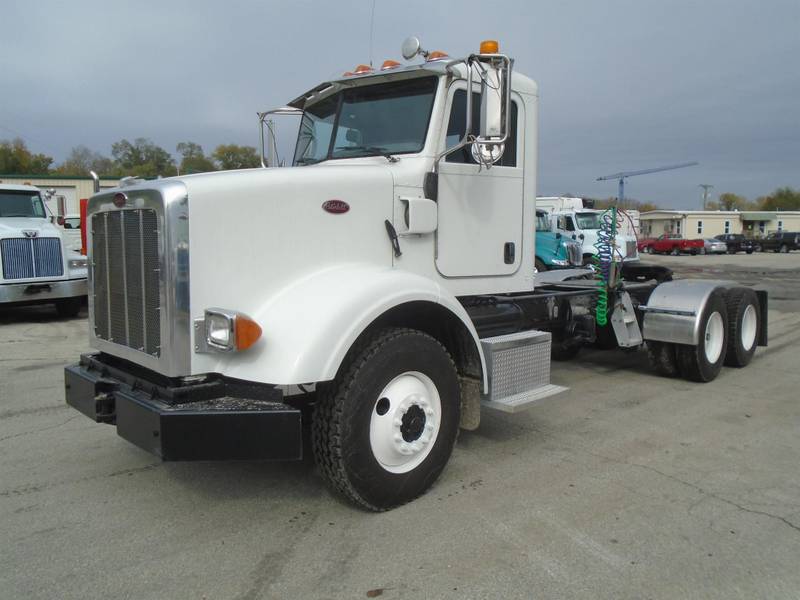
x=571, y=219
x=382, y=287
x=38, y=266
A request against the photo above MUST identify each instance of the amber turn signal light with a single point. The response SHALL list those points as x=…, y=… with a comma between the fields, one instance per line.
x=248, y=332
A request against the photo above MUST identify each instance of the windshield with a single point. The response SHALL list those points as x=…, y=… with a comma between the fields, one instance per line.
x=374, y=120
x=21, y=204
x=588, y=220
x=542, y=222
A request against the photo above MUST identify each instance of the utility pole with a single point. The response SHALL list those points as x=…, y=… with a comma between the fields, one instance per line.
x=705, y=187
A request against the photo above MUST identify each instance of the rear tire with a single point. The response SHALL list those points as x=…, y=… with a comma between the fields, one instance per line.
x=384, y=429
x=663, y=358
x=68, y=308
x=540, y=266
x=703, y=362
x=744, y=326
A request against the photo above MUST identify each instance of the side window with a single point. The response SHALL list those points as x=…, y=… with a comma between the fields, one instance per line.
x=457, y=124
x=565, y=223
x=699, y=227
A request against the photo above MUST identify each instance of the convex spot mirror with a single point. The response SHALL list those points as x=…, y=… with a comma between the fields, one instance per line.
x=411, y=47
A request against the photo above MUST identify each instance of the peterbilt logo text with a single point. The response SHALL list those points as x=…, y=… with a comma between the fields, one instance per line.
x=30, y=233
x=336, y=207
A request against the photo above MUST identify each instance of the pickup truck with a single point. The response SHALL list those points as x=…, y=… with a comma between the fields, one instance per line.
x=670, y=243
x=736, y=242
x=781, y=241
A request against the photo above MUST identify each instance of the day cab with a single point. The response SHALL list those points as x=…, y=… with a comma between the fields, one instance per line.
x=382, y=286
x=38, y=267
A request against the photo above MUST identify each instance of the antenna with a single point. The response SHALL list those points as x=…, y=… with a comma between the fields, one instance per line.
x=705, y=187
x=371, y=30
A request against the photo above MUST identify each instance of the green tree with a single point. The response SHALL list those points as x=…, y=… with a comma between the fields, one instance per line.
x=231, y=156
x=17, y=159
x=784, y=198
x=81, y=160
x=193, y=159
x=141, y=158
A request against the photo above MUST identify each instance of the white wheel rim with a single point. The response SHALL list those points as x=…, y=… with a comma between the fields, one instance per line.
x=749, y=327
x=404, y=434
x=714, y=336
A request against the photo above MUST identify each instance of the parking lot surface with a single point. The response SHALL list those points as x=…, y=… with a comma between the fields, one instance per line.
x=627, y=486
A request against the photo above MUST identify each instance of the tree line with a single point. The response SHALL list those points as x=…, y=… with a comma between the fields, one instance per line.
x=783, y=198
x=141, y=158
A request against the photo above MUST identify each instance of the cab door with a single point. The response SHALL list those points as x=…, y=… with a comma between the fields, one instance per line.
x=480, y=210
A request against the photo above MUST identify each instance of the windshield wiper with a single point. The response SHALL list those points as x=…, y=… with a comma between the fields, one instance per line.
x=373, y=150
x=307, y=161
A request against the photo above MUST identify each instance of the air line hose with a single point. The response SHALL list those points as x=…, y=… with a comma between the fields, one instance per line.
x=602, y=262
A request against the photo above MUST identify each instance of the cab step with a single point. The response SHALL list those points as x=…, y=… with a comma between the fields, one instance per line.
x=518, y=365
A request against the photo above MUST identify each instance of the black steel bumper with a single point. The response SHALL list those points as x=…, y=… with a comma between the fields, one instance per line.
x=212, y=419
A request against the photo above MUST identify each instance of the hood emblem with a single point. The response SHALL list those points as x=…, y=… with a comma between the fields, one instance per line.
x=30, y=233
x=335, y=207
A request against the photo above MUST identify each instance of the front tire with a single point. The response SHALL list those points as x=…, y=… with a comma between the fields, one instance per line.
x=68, y=308
x=703, y=362
x=384, y=429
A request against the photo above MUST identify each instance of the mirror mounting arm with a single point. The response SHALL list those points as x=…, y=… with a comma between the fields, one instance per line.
x=476, y=60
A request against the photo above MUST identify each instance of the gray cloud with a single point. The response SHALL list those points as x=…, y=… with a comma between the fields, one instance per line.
x=625, y=84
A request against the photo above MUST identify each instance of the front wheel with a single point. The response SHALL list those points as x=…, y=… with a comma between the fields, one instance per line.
x=384, y=429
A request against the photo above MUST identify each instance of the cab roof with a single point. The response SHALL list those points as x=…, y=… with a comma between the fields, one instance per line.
x=519, y=83
x=18, y=188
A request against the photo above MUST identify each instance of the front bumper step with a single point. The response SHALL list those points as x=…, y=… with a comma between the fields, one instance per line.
x=209, y=428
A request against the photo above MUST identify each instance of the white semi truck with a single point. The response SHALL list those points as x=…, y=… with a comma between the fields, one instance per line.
x=571, y=219
x=381, y=288
x=37, y=265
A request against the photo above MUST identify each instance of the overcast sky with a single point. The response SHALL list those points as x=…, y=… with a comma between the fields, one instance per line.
x=625, y=84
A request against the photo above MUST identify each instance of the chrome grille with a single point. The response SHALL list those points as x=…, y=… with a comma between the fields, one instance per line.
x=574, y=254
x=125, y=275
x=28, y=258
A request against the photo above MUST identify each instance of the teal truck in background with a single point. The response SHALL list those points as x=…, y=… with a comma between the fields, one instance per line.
x=553, y=250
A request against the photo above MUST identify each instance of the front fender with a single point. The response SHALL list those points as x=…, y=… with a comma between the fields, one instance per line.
x=309, y=326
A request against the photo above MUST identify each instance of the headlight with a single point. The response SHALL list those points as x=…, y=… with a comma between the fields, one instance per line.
x=77, y=263
x=225, y=331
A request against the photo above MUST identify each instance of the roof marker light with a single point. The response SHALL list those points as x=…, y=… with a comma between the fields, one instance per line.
x=389, y=64
x=362, y=69
x=436, y=55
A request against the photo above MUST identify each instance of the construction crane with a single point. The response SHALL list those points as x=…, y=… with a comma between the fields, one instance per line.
x=625, y=174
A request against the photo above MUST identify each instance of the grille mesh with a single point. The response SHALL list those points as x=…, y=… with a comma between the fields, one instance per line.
x=125, y=271
x=27, y=258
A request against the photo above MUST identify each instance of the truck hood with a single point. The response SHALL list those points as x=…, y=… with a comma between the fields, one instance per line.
x=14, y=226
x=277, y=229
